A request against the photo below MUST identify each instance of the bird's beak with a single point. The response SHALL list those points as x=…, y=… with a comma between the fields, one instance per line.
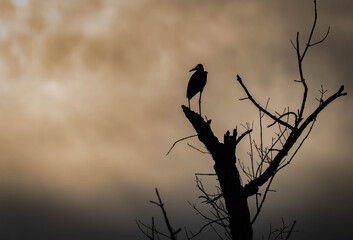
x=194, y=69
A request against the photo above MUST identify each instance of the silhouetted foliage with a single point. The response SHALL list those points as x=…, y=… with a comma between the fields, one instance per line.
x=230, y=216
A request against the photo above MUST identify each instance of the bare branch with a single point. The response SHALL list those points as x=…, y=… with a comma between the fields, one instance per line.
x=151, y=228
x=323, y=39
x=295, y=48
x=324, y=104
x=301, y=58
x=301, y=143
x=243, y=135
x=283, y=115
x=182, y=139
x=261, y=108
x=139, y=223
x=311, y=32
x=252, y=187
x=198, y=149
x=291, y=230
x=205, y=174
x=170, y=229
x=242, y=99
x=258, y=210
x=205, y=225
x=282, y=233
x=302, y=80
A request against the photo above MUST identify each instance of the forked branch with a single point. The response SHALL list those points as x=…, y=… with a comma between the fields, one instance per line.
x=300, y=58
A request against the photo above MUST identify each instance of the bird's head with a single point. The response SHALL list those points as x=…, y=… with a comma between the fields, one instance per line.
x=198, y=67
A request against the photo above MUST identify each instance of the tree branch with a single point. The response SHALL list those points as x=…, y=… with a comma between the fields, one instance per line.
x=283, y=115
x=261, y=108
x=324, y=104
x=182, y=139
x=252, y=187
x=243, y=135
x=301, y=58
x=166, y=220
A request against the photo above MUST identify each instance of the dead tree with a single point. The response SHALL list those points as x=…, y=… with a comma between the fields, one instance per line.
x=293, y=130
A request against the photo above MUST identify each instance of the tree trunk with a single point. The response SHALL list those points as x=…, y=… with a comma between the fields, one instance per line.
x=233, y=194
x=236, y=202
x=228, y=176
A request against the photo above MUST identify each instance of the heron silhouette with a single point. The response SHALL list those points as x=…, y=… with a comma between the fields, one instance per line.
x=196, y=83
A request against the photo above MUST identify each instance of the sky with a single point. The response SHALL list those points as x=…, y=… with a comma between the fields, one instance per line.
x=90, y=104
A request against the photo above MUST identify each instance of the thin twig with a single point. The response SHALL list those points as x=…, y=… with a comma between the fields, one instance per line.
x=291, y=230
x=323, y=39
x=262, y=200
x=205, y=174
x=198, y=149
x=301, y=143
x=182, y=139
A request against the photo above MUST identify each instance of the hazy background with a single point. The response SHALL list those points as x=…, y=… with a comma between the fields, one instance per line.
x=90, y=104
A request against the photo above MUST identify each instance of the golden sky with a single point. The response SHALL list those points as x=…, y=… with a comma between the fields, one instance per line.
x=91, y=93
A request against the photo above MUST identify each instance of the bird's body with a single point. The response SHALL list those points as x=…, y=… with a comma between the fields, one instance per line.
x=196, y=84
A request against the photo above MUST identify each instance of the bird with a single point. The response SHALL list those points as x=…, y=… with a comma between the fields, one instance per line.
x=196, y=83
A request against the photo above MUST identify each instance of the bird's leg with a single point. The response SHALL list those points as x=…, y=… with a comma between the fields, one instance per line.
x=189, y=103
x=200, y=103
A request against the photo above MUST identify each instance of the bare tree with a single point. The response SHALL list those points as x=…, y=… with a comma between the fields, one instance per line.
x=230, y=209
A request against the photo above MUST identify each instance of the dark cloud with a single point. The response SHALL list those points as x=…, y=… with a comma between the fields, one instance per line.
x=43, y=216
